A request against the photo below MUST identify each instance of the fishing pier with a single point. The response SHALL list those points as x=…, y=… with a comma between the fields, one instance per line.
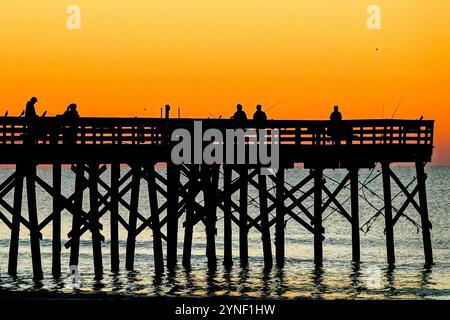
x=132, y=150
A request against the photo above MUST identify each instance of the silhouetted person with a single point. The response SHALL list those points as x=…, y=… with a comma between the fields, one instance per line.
x=335, y=131
x=71, y=112
x=259, y=115
x=336, y=115
x=70, y=116
x=31, y=116
x=30, y=110
x=167, y=109
x=239, y=115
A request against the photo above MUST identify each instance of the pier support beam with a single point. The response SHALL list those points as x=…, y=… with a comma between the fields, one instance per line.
x=154, y=212
x=227, y=229
x=243, y=220
x=114, y=219
x=354, y=194
x=280, y=212
x=210, y=183
x=265, y=227
x=76, y=217
x=389, y=225
x=132, y=222
x=188, y=224
x=173, y=181
x=15, y=225
x=94, y=208
x=34, y=224
x=56, y=230
x=318, y=229
x=426, y=224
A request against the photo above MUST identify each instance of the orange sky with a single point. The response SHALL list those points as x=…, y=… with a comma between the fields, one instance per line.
x=205, y=56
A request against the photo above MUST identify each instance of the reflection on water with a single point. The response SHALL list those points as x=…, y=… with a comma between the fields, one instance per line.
x=317, y=283
x=338, y=278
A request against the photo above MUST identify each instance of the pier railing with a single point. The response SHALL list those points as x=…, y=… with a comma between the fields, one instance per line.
x=142, y=131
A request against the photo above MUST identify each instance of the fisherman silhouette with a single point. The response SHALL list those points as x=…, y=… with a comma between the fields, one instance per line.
x=239, y=115
x=70, y=127
x=71, y=112
x=336, y=115
x=335, y=130
x=30, y=115
x=30, y=111
x=259, y=115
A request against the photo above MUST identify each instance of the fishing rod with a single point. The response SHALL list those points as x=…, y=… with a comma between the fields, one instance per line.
x=275, y=105
x=398, y=105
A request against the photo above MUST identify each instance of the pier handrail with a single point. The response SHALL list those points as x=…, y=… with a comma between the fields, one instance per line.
x=143, y=131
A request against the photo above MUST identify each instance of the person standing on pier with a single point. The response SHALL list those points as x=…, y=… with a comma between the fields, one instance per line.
x=30, y=115
x=334, y=130
x=259, y=115
x=239, y=115
x=30, y=110
x=336, y=115
x=70, y=116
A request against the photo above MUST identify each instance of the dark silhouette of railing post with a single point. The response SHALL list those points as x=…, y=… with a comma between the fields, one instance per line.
x=354, y=194
x=425, y=222
x=389, y=225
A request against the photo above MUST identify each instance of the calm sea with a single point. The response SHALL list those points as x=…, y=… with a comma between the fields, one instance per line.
x=338, y=278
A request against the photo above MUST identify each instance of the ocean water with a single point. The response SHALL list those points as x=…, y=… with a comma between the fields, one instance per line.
x=337, y=279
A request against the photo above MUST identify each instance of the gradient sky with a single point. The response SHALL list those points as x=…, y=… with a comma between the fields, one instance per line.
x=205, y=56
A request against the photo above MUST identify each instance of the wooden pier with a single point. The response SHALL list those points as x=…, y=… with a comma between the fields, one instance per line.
x=93, y=146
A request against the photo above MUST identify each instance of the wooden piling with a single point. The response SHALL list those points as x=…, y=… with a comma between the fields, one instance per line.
x=173, y=181
x=354, y=194
x=318, y=229
x=56, y=229
x=211, y=179
x=76, y=216
x=132, y=221
x=279, y=226
x=227, y=229
x=114, y=218
x=425, y=222
x=154, y=212
x=15, y=224
x=389, y=226
x=188, y=224
x=265, y=227
x=243, y=217
x=94, y=208
x=34, y=224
